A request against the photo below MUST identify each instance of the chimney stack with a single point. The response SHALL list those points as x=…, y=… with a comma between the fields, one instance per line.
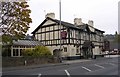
x=50, y=15
x=78, y=21
x=91, y=23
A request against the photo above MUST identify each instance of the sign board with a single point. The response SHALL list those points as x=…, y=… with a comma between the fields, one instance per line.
x=63, y=35
x=106, y=45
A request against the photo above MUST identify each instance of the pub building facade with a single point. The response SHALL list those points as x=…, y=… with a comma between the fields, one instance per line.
x=67, y=39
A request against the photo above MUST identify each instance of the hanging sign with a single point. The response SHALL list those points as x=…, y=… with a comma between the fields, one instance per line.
x=63, y=34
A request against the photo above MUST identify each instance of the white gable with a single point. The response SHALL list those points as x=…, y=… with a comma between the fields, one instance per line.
x=48, y=22
x=92, y=29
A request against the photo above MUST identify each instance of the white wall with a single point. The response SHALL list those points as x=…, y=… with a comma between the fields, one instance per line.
x=71, y=50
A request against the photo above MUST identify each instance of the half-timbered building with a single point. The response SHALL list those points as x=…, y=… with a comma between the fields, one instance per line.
x=68, y=37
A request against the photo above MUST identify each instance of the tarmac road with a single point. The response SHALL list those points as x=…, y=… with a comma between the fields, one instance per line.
x=100, y=66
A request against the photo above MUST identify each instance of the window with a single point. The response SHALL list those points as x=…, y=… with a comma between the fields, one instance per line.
x=58, y=41
x=47, y=36
x=56, y=34
x=47, y=28
x=49, y=42
x=51, y=35
x=76, y=34
x=46, y=42
x=56, y=27
x=81, y=35
x=65, y=49
x=21, y=50
x=51, y=28
x=15, y=52
x=84, y=36
x=42, y=36
x=77, y=49
x=54, y=41
x=95, y=37
x=43, y=29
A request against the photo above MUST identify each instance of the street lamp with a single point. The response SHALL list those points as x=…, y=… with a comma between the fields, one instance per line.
x=60, y=30
x=60, y=21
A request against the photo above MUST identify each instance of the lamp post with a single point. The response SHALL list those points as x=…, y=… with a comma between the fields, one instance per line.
x=60, y=29
x=60, y=21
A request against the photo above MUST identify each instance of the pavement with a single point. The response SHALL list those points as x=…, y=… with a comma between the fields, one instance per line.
x=112, y=56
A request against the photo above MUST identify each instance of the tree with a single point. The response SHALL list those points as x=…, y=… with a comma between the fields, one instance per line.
x=6, y=39
x=15, y=18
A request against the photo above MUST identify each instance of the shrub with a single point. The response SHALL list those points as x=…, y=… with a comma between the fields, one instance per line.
x=27, y=52
x=39, y=51
x=6, y=51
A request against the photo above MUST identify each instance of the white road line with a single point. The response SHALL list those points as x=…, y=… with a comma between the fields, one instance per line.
x=99, y=66
x=39, y=75
x=86, y=68
x=68, y=74
x=112, y=64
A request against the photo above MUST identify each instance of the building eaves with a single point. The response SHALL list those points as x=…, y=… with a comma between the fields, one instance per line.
x=100, y=30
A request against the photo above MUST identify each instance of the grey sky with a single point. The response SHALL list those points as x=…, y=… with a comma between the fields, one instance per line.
x=104, y=13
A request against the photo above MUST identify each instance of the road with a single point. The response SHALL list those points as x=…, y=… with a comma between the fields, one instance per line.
x=96, y=67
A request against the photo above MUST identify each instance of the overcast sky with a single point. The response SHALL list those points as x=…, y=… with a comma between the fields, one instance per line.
x=104, y=13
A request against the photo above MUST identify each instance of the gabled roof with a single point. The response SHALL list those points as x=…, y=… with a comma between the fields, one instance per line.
x=85, y=26
x=39, y=26
x=58, y=22
x=26, y=43
x=66, y=24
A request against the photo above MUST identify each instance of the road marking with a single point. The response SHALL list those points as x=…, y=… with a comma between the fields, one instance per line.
x=86, y=68
x=111, y=64
x=99, y=66
x=39, y=75
x=68, y=74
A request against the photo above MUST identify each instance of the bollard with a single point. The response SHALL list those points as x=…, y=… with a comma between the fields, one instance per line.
x=25, y=62
x=94, y=56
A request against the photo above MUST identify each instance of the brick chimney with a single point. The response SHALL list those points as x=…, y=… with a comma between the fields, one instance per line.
x=91, y=23
x=50, y=15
